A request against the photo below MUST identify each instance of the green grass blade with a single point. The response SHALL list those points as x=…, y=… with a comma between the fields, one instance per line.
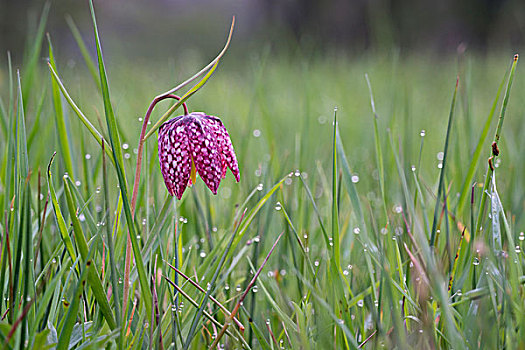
x=60, y=122
x=93, y=278
x=71, y=317
x=465, y=191
x=92, y=130
x=443, y=168
x=83, y=50
x=488, y=174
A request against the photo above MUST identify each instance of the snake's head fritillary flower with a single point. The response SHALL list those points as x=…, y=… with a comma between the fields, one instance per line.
x=191, y=144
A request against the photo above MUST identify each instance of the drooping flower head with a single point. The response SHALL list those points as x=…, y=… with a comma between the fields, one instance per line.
x=193, y=143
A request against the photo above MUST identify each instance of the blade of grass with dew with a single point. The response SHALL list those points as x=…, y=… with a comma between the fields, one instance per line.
x=93, y=278
x=71, y=316
x=114, y=139
x=211, y=286
x=379, y=153
x=61, y=223
x=61, y=130
x=488, y=174
x=443, y=168
x=465, y=191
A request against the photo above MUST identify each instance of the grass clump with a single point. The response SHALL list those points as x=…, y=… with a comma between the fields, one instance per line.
x=337, y=235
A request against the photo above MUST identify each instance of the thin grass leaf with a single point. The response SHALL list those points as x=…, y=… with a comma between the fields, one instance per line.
x=60, y=122
x=442, y=172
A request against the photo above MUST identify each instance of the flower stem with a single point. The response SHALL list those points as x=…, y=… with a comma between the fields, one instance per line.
x=127, y=266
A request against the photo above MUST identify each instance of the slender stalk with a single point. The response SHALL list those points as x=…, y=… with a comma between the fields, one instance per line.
x=127, y=266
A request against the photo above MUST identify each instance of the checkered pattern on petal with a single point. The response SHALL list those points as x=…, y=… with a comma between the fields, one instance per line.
x=205, y=152
x=228, y=158
x=175, y=155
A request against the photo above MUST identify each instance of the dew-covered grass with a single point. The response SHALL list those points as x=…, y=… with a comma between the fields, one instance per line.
x=388, y=227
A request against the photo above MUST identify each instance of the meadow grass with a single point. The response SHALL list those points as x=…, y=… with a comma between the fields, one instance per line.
x=367, y=214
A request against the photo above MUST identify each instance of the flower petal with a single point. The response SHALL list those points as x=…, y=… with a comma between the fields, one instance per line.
x=228, y=158
x=205, y=153
x=175, y=155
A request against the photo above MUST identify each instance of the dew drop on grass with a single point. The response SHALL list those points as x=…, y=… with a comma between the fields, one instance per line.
x=140, y=119
x=440, y=165
x=226, y=287
x=522, y=236
x=518, y=249
x=256, y=239
x=255, y=289
x=282, y=272
x=278, y=206
x=475, y=262
x=288, y=181
x=345, y=272
x=77, y=183
x=422, y=133
x=413, y=167
x=256, y=133
x=355, y=179
x=87, y=156
x=127, y=155
x=350, y=267
x=82, y=218
x=316, y=263
x=357, y=230
x=384, y=231
x=238, y=288
x=398, y=209
x=202, y=254
x=260, y=187
x=41, y=196
x=125, y=146
x=360, y=303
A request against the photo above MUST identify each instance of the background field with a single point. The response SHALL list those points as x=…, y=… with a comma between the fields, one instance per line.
x=353, y=266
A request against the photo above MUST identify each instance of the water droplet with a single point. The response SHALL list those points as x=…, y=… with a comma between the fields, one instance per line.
x=440, y=155
x=41, y=196
x=398, y=209
x=97, y=190
x=77, y=183
x=518, y=249
x=384, y=231
x=255, y=289
x=127, y=156
x=226, y=287
x=321, y=119
x=357, y=230
x=350, y=267
x=270, y=274
x=238, y=288
x=282, y=272
x=413, y=167
x=360, y=303
x=256, y=133
x=475, y=262
x=87, y=156
x=345, y=272
x=256, y=239
x=422, y=133
x=440, y=165
x=355, y=179
x=140, y=119
x=278, y=206
x=125, y=146
x=82, y=218
x=288, y=181
x=297, y=173
x=316, y=263
x=202, y=254
x=260, y=187
x=54, y=261
x=522, y=236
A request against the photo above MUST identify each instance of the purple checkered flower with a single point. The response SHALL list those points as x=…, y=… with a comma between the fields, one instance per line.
x=193, y=143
